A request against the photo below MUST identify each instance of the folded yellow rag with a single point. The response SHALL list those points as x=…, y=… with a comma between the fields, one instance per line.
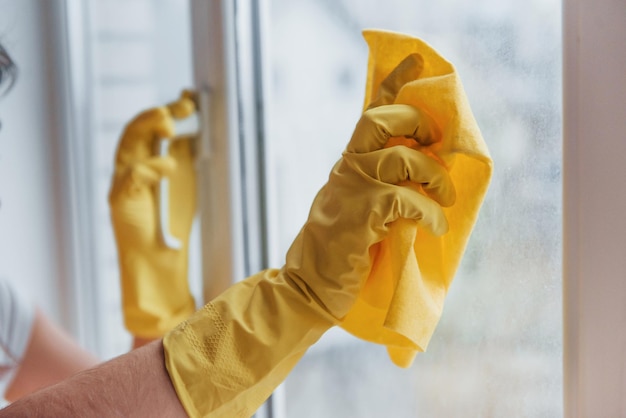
x=403, y=298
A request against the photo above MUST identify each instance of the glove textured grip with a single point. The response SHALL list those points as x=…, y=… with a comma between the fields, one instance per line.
x=226, y=360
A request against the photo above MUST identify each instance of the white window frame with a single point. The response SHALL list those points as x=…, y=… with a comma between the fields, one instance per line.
x=226, y=45
x=219, y=165
x=71, y=77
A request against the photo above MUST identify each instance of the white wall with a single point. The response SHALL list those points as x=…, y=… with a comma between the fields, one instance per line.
x=28, y=248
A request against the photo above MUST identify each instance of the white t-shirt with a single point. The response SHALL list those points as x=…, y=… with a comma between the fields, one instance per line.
x=16, y=321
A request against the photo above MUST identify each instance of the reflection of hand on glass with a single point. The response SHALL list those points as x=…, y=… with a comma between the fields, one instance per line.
x=155, y=290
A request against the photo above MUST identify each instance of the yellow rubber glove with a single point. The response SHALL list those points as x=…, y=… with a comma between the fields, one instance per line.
x=229, y=357
x=155, y=289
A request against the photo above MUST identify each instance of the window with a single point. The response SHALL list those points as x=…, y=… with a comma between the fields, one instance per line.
x=497, y=350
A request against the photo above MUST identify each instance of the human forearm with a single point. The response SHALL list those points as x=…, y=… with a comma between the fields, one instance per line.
x=48, y=345
x=135, y=384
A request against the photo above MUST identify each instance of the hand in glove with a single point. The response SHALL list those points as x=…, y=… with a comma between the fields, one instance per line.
x=228, y=358
x=155, y=290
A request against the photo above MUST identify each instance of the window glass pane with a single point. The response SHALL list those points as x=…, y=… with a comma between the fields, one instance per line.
x=140, y=58
x=497, y=350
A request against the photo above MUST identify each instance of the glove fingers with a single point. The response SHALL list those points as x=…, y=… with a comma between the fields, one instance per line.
x=138, y=139
x=141, y=175
x=408, y=70
x=147, y=126
x=379, y=124
x=397, y=164
x=184, y=106
x=409, y=203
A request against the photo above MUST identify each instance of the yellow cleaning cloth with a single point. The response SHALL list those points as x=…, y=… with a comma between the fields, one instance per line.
x=402, y=300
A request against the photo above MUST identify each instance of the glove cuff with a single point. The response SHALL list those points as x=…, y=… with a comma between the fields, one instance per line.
x=226, y=360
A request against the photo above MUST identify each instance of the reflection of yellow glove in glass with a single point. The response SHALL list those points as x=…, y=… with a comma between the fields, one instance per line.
x=155, y=290
x=228, y=358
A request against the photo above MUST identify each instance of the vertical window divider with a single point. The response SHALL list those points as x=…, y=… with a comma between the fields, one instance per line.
x=69, y=61
x=219, y=178
x=229, y=70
